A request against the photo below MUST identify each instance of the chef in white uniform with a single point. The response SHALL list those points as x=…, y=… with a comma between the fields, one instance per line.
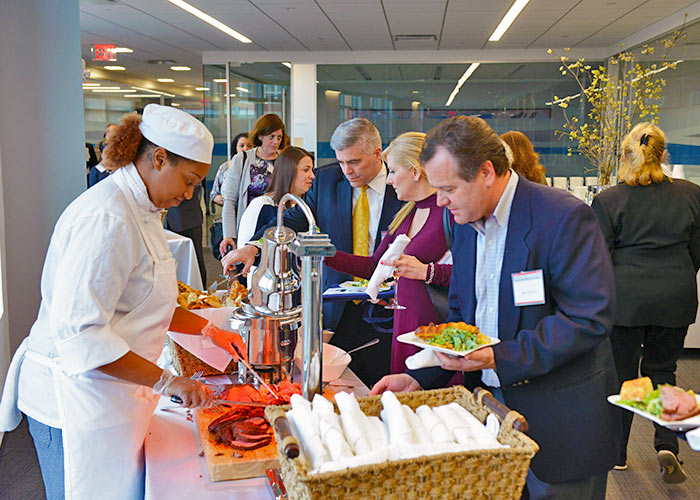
x=86, y=377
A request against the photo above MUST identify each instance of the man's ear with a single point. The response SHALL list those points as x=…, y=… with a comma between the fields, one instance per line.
x=488, y=172
x=378, y=153
x=159, y=158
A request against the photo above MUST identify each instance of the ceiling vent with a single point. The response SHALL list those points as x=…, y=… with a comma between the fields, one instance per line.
x=159, y=61
x=413, y=38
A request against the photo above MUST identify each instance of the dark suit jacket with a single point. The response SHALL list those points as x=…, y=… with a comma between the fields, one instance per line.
x=330, y=200
x=554, y=361
x=653, y=234
x=187, y=214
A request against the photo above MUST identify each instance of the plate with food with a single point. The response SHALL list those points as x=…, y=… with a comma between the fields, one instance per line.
x=456, y=338
x=348, y=290
x=669, y=406
x=361, y=285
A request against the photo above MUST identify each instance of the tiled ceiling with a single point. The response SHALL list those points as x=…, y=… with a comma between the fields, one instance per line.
x=158, y=30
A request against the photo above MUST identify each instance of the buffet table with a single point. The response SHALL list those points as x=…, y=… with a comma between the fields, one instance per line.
x=182, y=249
x=174, y=468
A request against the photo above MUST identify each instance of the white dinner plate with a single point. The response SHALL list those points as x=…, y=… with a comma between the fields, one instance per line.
x=675, y=425
x=350, y=285
x=410, y=338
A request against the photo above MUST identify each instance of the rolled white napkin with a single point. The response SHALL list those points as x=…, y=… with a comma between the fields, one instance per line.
x=466, y=428
x=321, y=406
x=383, y=272
x=434, y=425
x=377, y=435
x=693, y=438
x=333, y=437
x=424, y=358
x=400, y=431
x=419, y=431
x=354, y=423
x=304, y=422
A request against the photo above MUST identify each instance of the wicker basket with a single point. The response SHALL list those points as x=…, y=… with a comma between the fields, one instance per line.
x=479, y=474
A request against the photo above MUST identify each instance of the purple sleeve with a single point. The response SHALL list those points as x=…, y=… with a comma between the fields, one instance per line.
x=442, y=274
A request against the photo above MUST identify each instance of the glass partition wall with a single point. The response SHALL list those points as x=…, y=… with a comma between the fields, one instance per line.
x=255, y=89
x=413, y=97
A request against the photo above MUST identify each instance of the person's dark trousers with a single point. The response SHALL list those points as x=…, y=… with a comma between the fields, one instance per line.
x=195, y=234
x=369, y=364
x=659, y=349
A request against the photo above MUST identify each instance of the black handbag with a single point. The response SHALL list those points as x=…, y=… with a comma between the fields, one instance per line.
x=439, y=294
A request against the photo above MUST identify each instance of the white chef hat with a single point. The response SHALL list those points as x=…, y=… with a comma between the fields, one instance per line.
x=178, y=132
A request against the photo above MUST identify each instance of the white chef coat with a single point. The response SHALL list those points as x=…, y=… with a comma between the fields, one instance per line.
x=95, y=237
x=375, y=199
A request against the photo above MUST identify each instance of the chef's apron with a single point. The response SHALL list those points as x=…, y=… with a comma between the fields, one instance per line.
x=105, y=420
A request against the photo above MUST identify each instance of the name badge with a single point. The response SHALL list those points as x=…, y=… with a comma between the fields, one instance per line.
x=528, y=288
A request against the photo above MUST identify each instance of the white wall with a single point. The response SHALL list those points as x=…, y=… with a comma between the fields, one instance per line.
x=41, y=142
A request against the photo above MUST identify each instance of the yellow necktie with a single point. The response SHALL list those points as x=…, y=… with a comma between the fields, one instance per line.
x=360, y=225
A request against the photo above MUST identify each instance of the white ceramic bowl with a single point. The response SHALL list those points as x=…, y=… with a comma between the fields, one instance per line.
x=335, y=361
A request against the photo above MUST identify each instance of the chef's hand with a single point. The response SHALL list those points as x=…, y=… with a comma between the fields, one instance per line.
x=193, y=394
x=245, y=255
x=407, y=266
x=225, y=243
x=395, y=383
x=230, y=342
x=477, y=360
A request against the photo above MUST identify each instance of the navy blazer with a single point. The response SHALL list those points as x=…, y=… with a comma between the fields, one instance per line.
x=330, y=200
x=186, y=215
x=554, y=360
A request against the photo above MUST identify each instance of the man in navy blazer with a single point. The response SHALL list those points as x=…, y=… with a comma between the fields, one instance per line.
x=554, y=362
x=357, y=146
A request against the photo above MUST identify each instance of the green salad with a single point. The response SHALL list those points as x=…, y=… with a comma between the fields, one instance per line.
x=650, y=404
x=458, y=339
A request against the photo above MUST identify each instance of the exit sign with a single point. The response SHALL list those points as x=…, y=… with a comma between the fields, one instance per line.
x=104, y=52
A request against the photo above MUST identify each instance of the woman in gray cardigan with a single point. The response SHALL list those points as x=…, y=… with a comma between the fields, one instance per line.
x=652, y=227
x=249, y=174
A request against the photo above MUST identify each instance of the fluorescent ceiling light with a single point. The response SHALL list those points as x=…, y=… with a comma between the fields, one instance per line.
x=472, y=67
x=113, y=90
x=123, y=50
x=180, y=68
x=115, y=68
x=219, y=80
x=158, y=92
x=201, y=88
x=150, y=96
x=90, y=84
x=208, y=19
x=176, y=104
x=287, y=65
x=508, y=19
x=102, y=88
x=334, y=92
x=166, y=80
x=242, y=89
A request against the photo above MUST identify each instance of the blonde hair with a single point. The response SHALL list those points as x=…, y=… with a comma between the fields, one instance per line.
x=642, y=151
x=405, y=152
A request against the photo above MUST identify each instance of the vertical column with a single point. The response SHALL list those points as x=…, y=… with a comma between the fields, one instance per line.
x=303, y=106
x=42, y=141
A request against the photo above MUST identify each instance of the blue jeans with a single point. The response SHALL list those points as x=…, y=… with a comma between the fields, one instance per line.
x=48, y=442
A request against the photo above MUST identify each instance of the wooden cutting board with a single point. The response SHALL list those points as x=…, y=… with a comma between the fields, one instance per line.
x=222, y=464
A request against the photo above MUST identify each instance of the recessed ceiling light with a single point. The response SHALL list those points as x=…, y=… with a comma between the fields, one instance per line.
x=201, y=88
x=123, y=50
x=415, y=91
x=219, y=80
x=180, y=68
x=333, y=92
x=176, y=104
x=115, y=68
x=508, y=19
x=242, y=89
x=472, y=67
x=165, y=80
x=209, y=19
x=415, y=104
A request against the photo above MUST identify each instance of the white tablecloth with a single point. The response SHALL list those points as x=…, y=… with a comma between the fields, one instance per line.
x=175, y=470
x=182, y=249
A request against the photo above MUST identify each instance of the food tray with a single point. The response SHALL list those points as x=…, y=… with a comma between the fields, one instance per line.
x=675, y=425
x=475, y=474
x=412, y=339
x=340, y=293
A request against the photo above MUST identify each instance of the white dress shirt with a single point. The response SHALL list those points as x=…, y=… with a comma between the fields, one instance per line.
x=97, y=269
x=375, y=197
x=490, y=246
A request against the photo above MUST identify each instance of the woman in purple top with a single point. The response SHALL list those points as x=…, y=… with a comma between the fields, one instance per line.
x=421, y=220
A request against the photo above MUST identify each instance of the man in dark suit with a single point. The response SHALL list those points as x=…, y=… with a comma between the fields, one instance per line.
x=186, y=219
x=333, y=198
x=530, y=267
